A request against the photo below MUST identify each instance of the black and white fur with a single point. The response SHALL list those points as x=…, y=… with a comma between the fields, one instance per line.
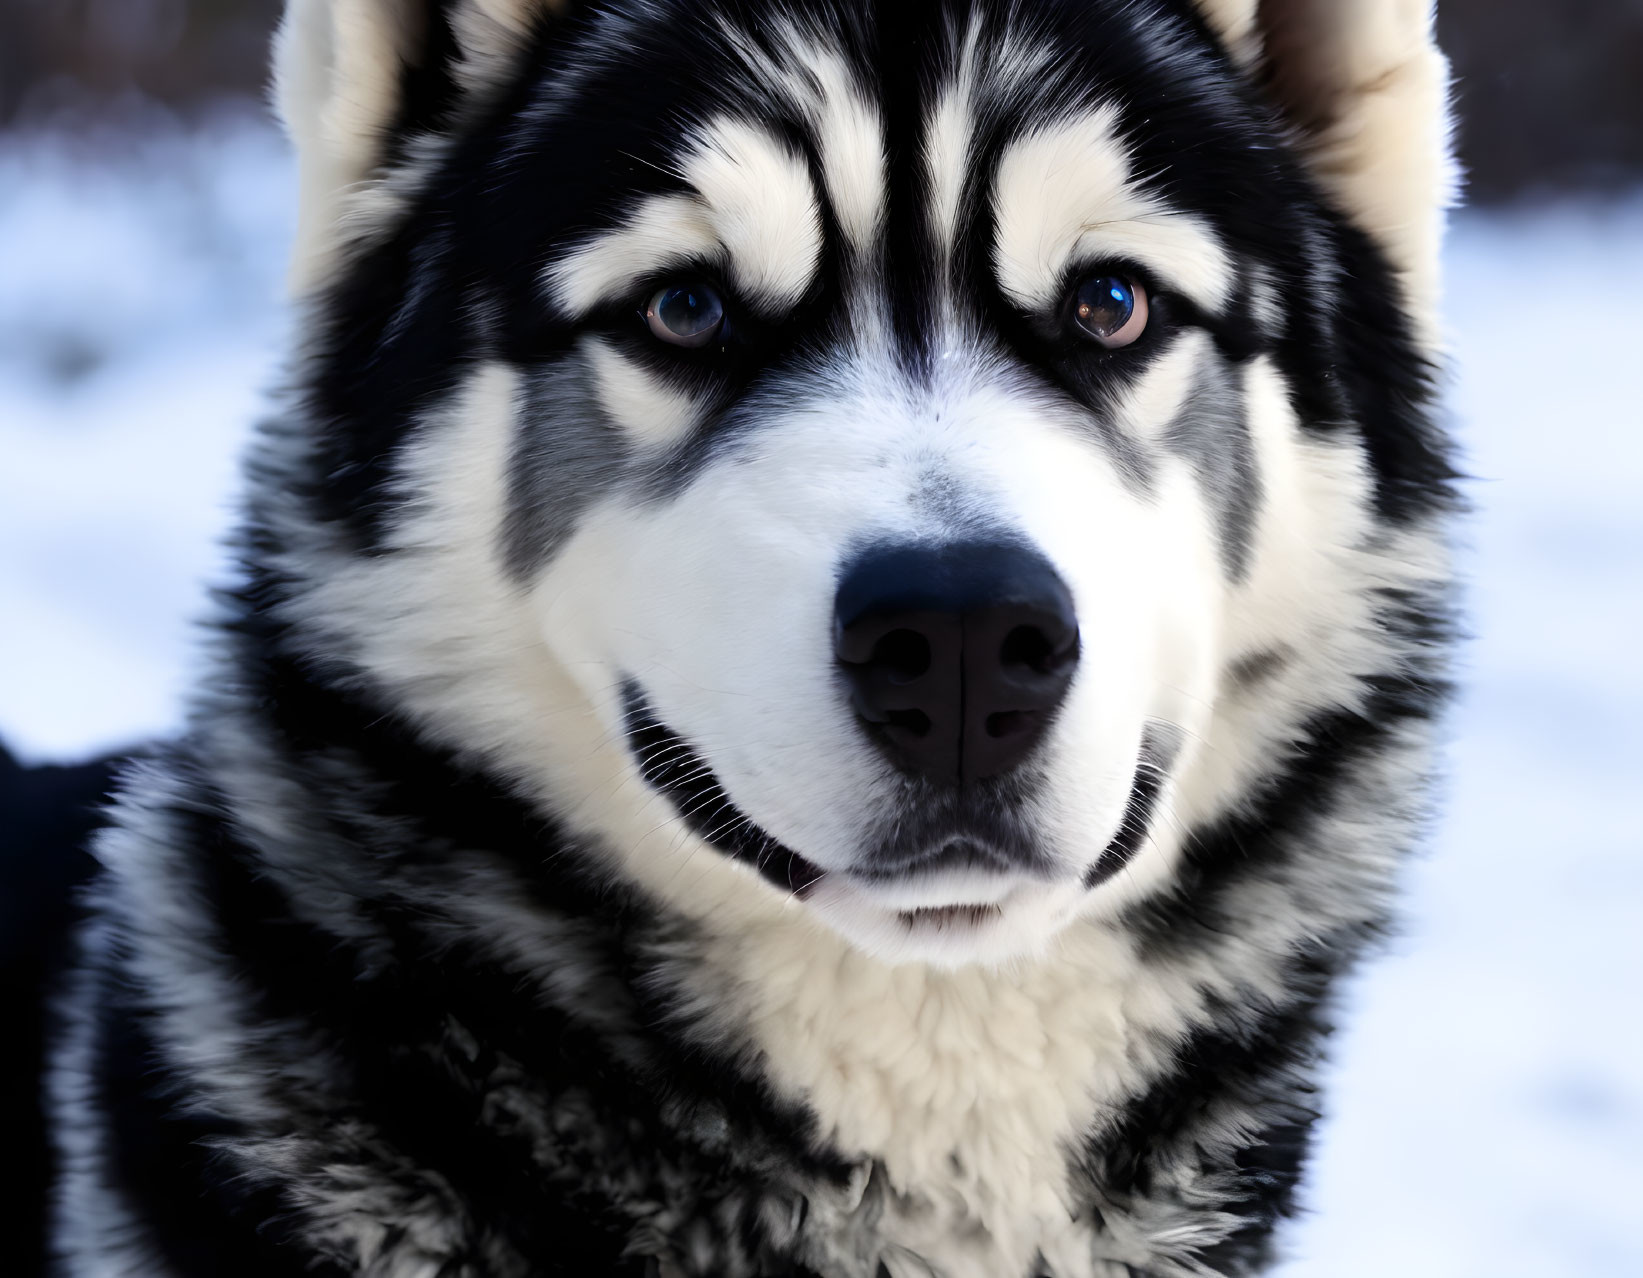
x=460, y=933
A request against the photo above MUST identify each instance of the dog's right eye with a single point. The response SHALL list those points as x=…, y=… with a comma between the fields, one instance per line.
x=685, y=314
x=1111, y=308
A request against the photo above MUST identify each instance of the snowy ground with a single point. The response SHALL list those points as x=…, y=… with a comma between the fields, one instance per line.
x=1487, y=1108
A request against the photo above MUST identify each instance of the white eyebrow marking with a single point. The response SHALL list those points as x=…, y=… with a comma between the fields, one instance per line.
x=663, y=230
x=947, y=151
x=852, y=152
x=1064, y=193
x=763, y=207
x=816, y=80
x=753, y=209
x=977, y=77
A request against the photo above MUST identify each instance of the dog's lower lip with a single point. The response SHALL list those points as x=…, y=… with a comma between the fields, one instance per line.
x=948, y=915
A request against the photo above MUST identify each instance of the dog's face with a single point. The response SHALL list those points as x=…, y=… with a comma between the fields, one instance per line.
x=925, y=462
x=921, y=449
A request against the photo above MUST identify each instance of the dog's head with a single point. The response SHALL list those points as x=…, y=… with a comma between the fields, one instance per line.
x=906, y=465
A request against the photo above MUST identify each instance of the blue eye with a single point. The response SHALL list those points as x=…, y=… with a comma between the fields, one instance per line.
x=1110, y=308
x=685, y=314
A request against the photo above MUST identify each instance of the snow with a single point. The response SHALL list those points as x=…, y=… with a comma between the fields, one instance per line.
x=1486, y=1102
x=1488, y=1096
x=139, y=287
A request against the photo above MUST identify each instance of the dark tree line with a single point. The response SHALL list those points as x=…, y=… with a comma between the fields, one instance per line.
x=1551, y=91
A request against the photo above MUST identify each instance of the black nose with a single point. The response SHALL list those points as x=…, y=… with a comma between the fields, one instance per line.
x=957, y=655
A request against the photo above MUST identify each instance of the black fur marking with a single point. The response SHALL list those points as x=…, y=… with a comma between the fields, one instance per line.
x=909, y=38
x=1132, y=828
x=1250, y=1066
x=674, y=768
x=1212, y=432
x=47, y=815
x=404, y=1044
x=1158, y=751
x=566, y=455
x=1327, y=757
x=1259, y=666
x=200, y=1214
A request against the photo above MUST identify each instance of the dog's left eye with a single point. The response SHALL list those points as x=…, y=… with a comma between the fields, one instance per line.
x=1110, y=308
x=685, y=314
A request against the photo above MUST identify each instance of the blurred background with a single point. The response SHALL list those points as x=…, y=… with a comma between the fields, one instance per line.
x=1486, y=1114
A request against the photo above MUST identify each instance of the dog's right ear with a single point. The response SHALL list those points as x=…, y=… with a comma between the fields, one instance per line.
x=1365, y=90
x=353, y=79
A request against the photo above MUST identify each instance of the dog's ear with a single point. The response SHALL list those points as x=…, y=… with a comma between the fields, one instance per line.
x=1367, y=90
x=352, y=78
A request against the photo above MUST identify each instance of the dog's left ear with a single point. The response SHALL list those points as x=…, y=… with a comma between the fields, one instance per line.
x=354, y=77
x=1367, y=90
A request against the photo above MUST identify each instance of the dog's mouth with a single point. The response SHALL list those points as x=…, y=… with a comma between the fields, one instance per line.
x=913, y=893
x=949, y=917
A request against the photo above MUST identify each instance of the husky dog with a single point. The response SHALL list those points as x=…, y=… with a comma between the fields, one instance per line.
x=838, y=639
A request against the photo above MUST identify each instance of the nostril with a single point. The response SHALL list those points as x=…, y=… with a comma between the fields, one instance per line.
x=903, y=655
x=914, y=722
x=1027, y=646
x=1008, y=723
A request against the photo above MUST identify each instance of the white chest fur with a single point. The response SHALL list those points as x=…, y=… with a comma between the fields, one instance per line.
x=965, y=1090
